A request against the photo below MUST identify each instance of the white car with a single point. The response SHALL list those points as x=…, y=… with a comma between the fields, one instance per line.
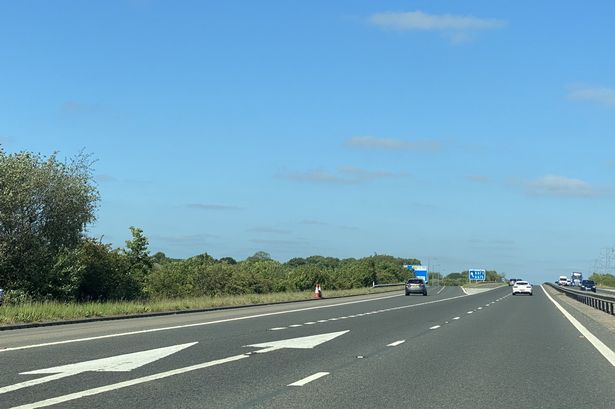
x=522, y=287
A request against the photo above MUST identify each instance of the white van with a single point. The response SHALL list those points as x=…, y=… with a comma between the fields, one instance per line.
x=563, y=280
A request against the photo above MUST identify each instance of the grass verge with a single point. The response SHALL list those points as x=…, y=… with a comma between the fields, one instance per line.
x=55, y=311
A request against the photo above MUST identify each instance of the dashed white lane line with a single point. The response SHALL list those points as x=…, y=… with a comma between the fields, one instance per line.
x=470, y=312
x=309, y=379
x=441, y=289
x=599, y=345
x=456, y=318
x=434, y=327
x=396, y=343
x=479, y=308
x=363, y=314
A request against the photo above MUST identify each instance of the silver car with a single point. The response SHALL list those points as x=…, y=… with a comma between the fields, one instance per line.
x=416, y=286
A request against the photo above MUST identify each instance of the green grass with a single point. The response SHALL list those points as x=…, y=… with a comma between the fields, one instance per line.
x=55, y=311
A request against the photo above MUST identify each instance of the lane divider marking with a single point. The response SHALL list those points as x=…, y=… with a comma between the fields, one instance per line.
x=435, y=327
x=456, y=318
x=380, y=311
x=396, y=343
x=309, y=379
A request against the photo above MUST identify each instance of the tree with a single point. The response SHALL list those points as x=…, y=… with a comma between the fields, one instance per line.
x=137, y=256
x=45, y=205
x=137, y=251
x=259, y=255
x=228, y=260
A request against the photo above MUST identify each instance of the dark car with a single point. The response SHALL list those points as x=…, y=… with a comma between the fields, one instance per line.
x=588, y=285
x=416, y=286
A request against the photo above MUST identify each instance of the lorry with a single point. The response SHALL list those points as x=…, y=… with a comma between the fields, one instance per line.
x=576, y=278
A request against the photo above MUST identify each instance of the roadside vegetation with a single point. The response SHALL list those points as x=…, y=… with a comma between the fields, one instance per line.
x=51, y=269
x=603, y=280
x=46, y=311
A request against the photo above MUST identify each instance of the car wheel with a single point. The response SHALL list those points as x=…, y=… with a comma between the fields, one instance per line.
x=407, y=294
x=425, y=293
x=531, y=294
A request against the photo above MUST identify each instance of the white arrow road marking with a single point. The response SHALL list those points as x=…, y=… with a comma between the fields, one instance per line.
x=309, y=379
x=297, y=343
x=118, y=363
x=308, y=342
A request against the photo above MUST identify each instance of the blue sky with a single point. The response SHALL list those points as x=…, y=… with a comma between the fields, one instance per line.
x=463, y=133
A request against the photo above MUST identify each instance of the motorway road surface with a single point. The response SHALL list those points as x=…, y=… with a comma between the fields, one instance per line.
x=446, y=350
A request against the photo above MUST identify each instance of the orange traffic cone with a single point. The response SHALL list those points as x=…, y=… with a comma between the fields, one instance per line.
x=317, y=291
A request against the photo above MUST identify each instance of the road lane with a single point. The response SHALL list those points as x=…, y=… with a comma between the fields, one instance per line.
x=434, y=358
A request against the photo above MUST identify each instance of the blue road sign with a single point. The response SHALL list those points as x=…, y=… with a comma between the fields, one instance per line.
x=477, y=275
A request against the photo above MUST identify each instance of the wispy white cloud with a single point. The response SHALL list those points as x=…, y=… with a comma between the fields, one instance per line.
x=456, y=28
x=370, y=142
x=277, y=243
x=102, y=178
x=417, y=20
x=5, y=141
x=78, y=107
x=184, y=240
x=344, y=175
x=311, y=222
x=211, y=206
x=271, y=230
x=478, y=179
x=600, y=95
x=561, y=186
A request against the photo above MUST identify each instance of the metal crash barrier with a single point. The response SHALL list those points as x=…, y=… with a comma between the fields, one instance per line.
x=598, y=301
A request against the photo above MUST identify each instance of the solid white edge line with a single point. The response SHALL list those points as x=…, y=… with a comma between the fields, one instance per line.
x=309, y=379
x=599, y=345
x=396, y=343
